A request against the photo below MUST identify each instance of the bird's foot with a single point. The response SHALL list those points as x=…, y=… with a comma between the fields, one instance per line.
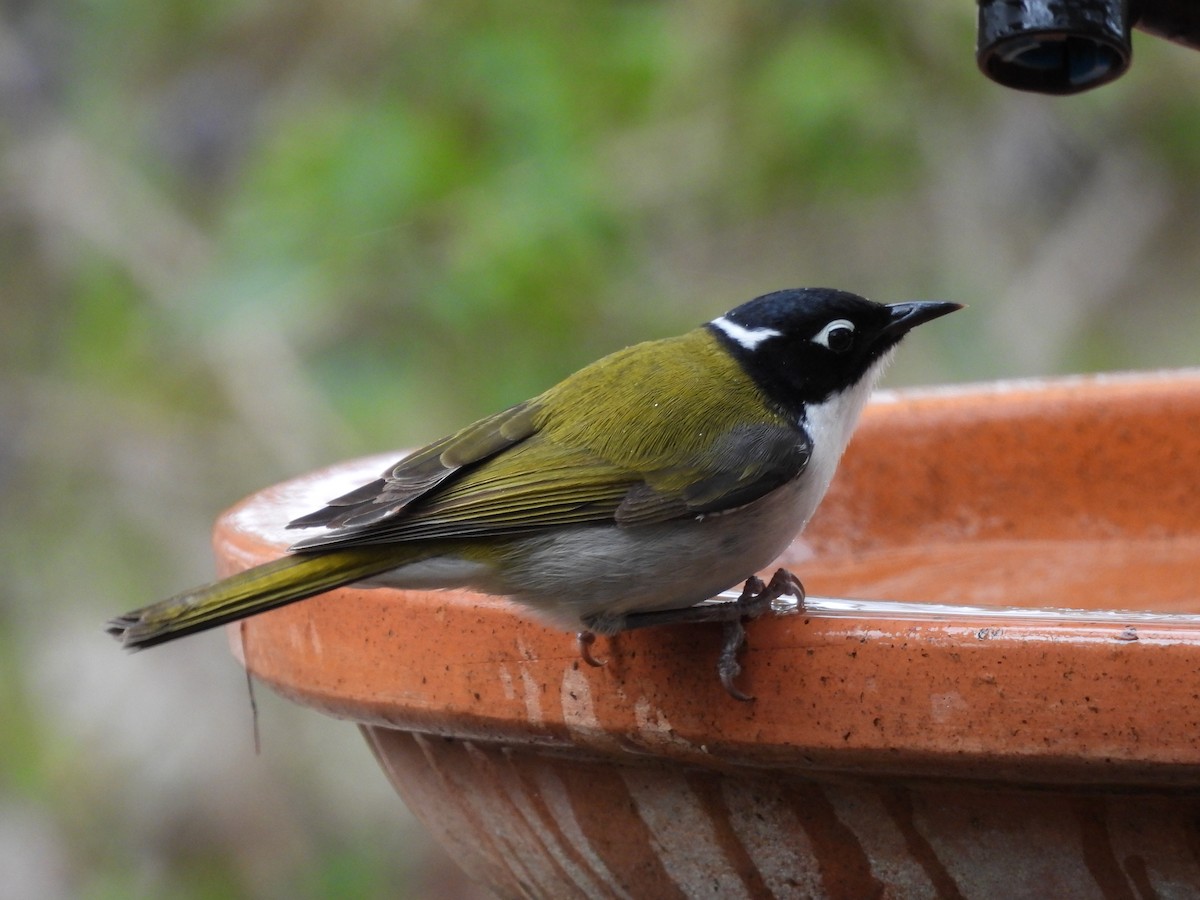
x=756, y=598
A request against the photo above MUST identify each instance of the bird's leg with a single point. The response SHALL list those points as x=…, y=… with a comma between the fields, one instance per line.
x=756, y=598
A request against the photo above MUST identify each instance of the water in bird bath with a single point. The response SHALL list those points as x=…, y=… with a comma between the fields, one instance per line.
x=1121, y=573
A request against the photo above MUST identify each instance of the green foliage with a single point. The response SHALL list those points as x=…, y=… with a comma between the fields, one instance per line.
x=807, y=107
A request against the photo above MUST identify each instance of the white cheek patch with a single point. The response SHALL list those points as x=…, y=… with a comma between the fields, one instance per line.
x=746, y=337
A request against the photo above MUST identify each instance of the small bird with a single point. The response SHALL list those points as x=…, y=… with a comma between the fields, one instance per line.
x=635, y=489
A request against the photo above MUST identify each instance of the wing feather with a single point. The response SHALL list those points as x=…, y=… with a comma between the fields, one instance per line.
x=422, y=471
x=526, y=469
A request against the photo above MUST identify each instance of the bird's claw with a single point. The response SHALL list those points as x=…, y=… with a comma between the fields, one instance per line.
x=584, y=640
x=756, y=598
x=728, y=667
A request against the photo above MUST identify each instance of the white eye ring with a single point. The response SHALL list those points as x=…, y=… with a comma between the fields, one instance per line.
x=836, y=335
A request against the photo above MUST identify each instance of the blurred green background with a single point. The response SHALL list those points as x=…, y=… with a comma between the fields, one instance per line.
x=241, y=240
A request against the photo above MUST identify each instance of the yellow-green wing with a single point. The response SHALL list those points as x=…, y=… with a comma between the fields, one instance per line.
x=537, y=485
x=621, y=441
x=746, y=463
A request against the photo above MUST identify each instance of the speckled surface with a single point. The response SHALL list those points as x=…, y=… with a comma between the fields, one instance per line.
x=911, y=752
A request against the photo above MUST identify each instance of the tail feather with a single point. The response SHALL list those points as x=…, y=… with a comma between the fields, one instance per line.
x=279, y=582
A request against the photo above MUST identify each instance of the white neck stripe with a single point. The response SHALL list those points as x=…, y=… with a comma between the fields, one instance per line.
x=746, y=337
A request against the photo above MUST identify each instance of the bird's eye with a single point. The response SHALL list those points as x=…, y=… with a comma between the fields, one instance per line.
x=838, y=335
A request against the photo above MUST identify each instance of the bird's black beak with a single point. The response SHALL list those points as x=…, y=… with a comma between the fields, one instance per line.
x=907, y=316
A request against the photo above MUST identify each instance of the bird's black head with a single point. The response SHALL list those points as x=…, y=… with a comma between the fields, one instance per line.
x=805, y=345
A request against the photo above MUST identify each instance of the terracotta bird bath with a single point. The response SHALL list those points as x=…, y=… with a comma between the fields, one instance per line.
x=1011, y=707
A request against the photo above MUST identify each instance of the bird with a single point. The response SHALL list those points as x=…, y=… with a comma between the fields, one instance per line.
x=625, y=496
